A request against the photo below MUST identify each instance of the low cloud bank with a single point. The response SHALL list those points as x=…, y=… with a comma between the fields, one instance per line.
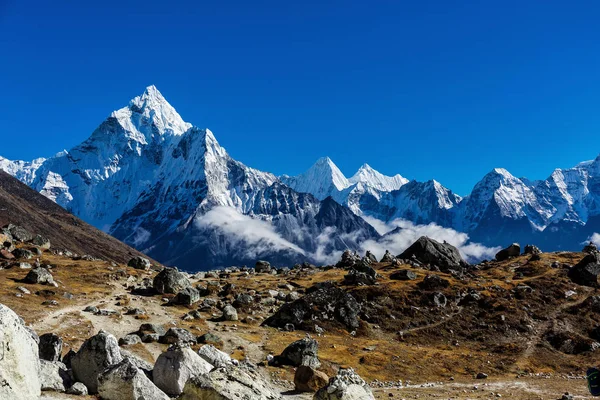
x=407, y=233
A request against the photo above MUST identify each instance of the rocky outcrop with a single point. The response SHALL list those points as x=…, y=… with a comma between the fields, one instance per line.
x=514, y=250
x=325, y=303
x=170, y=280
x=139, y=263
x=19, y=363
x=175, y=367
x=430, y=252
x=95, y=355
x=346, y=385
x=587, y=270
x=125, y=381
x=301, y=352
x=230, y=383
x=531, y=249
x=262, y=266
x=187, y=297
x=40, y=276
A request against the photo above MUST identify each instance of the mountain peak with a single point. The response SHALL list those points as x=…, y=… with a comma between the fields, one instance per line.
x=371, y=177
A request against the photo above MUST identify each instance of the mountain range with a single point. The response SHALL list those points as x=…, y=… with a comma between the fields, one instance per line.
x=170, y=190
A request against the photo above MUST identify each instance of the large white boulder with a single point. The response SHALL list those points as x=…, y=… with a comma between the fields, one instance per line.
x=230, y=383
x=19, y=362
x=214, y=356
x=55, y=376
x=346, y=385
x=95, y=355
x=125, y=381
x=176, y=366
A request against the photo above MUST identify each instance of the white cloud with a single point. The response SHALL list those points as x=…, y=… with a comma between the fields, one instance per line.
x=140, y=236
x=408, y=233
x=595, y=238
x=258, y=236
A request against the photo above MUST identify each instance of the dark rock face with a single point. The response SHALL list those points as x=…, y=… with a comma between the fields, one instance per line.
x=139, y=263
x=404, y=275
x=514, y=250
x=325, y=302
x=590, y=248
x=170, y=280
x=301, y=352
x=532, y=249
x=428, y=251
x=50, y=347
x=434, y=282
x=587, y=270
x=262, y=266
x=349, y=259
x=570, y=342
x=361, y=274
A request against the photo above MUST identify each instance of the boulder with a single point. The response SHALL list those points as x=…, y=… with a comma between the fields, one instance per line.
x=531, y=249
x=7, y=255
x=78, y=389
x=586, y=271
x=6, y=240
x=301, y=352
x=514, y=250
x=19, y=363
x=139, y=263
x=95, y=355
x=187, y=297
x=151, y=329
x=41, y=242
x=128, y=340
x=55, y=376
x=40, y=276
x=404, y=275
x=125, y=381
x=370, y=257
x=177, y=336
x=361, y=273
x=210, y=338
x=229, y=313
x=214, y=356
x=346, y=385
x=262, y=266
x=170, y=280
x=387, y=257
x=433, y=282
x=19, y=233
x=430, y=252
x=50, y=347
x=590, y=248
x=23, y=254
x=230, y=383
x=307, y=379
x=326, y=303
x=176, y=366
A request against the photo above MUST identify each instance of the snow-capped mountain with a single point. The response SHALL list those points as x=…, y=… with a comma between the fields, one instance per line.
x=168, y=188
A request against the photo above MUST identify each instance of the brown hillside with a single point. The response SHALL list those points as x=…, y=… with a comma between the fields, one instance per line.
x=21, y=205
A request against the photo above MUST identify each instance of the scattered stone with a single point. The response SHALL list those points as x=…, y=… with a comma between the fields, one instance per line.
x=481, y=375
x=262, y=266
x=433, y=282
x=139, y=263
x=19, y=233
x=95, y=355
x=308, y=379
x=404, y=275
x=210, y=338
x=125, y=381
x=430, y=252
x=532, y=249
x=78, y=389
x=586, y=271
x=300, y=352
x=41, y=242
x=387, y=257
x=128, y=340
x=346, y=385
x=514, y=250
x=50, y=347
x=175, y=367
x=590, y=248
x=229, y=313
x=177, y=336
x=170, y=280
x=54, y=375
x=214, y=356
x=40, y=276
x=187, y=297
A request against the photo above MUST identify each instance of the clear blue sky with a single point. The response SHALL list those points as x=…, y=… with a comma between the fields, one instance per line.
x=428, y=89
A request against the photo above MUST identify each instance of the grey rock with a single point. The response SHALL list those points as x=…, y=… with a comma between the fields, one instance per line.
x=128, y=340
x=531, y=249
x=346, y=385
x=229, y=313
x=50, y=347
x=19, y=233
x=125, y=381
x=187, y=297
x=78, y=389
x=139, y=263
x=262, y=266
x=177, y=335
x=300, y=352
x=95, y=355
x=41, y=241
x=587, y=270
x=40, y=276
x=170, y=280
x=175, y=367
x=214, y=356
x=431, y=252
x=404, y=275
x=514, y=250
x=55, y=376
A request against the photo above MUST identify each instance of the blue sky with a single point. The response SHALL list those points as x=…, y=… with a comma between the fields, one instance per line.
x=438, y=89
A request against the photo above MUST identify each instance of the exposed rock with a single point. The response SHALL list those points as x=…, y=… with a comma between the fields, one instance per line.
x=50, y=347
x=151, y=328
x=348, y=260
x=439, y=300
x=177, y=336
x=78, y=389
x=139, y=263
x=19, y=364
x=301, y=352
x=187, y=297
x=41, y=242
x=7, y=255
x=404, y=275
x=570, y=342
x=430, y=252
x=54, y=375
x=308, y=379
x=95, y=355
x=387, y=257
x=40, y=276
x=481, y=375
x=23, y=254
x=125, y=381
x=128, y=340
x=361, y=273
x=19, y=233
x=229, y=313
x=262, y=266
x=346, y=385
x=531, y=249
x=214, y=356
x=326, y=303
x=210, y=338
x=514, y=250
x=230, y=383
x=371, y=257
x=587, y=270
x=590, y=248
x=433, y=282
x=170, y=280
x=175, y=367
